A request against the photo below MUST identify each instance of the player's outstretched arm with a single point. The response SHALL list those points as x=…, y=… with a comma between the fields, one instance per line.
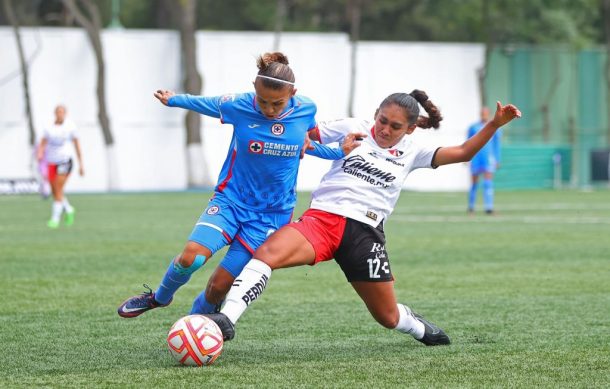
x=164, y=95
x=350, y=142
x=464, y=152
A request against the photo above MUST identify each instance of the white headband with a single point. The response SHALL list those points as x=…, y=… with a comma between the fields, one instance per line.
x=275, y=79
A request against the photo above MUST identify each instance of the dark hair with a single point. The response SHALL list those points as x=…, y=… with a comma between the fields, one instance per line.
x=274, y=65
x=409, y=102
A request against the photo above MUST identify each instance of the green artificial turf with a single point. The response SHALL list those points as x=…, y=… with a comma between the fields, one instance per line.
x=524, y=296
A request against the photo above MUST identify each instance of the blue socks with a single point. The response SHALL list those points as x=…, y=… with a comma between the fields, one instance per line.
x=472, y=196
x=202, y=306
x=176, y=276
x=488, y=195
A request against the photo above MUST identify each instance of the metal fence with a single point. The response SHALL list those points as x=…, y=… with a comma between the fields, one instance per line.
x=562, y=93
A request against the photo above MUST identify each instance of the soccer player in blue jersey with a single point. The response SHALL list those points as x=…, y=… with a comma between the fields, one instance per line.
x=485, y=163
x=256, y=190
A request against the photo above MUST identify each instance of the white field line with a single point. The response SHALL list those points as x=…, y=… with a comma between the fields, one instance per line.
x=514, y=207
x=499, y=219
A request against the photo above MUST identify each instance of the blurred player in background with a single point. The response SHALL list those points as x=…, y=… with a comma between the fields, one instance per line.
x=256, y=190
x=42, y=174
x=55, y=149
x=485, y=163
x=350, y=206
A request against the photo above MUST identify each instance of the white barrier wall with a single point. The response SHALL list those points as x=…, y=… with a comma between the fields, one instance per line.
x=149, y=138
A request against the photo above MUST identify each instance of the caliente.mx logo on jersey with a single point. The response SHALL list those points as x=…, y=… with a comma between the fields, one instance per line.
x=358, y=167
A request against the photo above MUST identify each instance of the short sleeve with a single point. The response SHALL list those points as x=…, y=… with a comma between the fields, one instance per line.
x=424, y=158
x=336, y=130
x=73, y=131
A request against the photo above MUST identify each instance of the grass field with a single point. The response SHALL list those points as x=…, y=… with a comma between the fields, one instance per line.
x=524, y=295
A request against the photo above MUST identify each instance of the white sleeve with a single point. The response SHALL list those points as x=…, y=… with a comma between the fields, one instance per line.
x=45, y=133
x=335, y=130
x=424, y=158
x=72, y=129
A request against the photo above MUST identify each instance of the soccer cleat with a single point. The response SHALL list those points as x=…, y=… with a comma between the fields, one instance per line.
x=433, y=335
x=227, y=328
x=53, y=224
x=69, y=218
x=137, y=305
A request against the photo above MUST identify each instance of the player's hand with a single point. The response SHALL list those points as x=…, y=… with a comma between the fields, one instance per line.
x=351, y=141
x=306, y=146
x=505, y=114
x=164, y=95
x=81, y=171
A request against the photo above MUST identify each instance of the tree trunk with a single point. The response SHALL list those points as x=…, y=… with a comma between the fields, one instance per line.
x=12, y=18
x=280, y=15
x=545, y=108
x=606, y=6
x=92, y=25
x=354, y=11
x=198, y=172
x=482, y=71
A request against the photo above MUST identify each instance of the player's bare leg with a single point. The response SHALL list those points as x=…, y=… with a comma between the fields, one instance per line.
x=380, y=300
x=57, y=189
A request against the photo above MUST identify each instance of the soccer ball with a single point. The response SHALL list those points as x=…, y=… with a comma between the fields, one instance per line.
x=195, y=340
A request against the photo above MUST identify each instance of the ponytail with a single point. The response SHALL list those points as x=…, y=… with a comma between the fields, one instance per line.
x=410, y=103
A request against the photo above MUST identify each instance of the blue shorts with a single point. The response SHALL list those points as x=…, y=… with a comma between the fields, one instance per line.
x=480, y=166
x=224, y=222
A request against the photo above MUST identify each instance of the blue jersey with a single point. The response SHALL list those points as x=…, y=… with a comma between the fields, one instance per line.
x=260, y=170
x=488, y=157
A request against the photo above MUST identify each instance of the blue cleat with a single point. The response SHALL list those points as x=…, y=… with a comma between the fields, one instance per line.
x=137, y=305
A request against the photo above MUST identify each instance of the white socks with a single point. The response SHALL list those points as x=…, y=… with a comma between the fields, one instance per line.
x=56, y=210
x=59, y=207
x=67, y=207
x=408, y=324
x=246, y=288
x=251, y=283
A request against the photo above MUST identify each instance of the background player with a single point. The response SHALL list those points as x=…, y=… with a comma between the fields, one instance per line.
x=256, y=190
x=348, y=210
x=55, y=149
x=485, y=163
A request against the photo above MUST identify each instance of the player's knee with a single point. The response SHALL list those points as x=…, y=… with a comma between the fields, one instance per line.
x=193, y=253
x=268, y=253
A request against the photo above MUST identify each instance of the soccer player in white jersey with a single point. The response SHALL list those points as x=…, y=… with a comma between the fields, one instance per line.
x=348, y=210
x=55, y=148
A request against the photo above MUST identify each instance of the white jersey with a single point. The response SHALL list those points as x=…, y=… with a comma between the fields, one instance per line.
x=366, y=183
x=59, y=137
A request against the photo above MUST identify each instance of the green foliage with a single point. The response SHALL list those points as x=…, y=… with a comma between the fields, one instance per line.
x=577, y=22
x=524, y=296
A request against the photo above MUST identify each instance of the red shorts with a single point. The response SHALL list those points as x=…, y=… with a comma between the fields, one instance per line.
x=323, y=230
x=62, y=168
x=357, y=247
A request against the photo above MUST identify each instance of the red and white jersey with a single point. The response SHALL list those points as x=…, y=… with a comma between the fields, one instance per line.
x=59, y=137
x=366, y=183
